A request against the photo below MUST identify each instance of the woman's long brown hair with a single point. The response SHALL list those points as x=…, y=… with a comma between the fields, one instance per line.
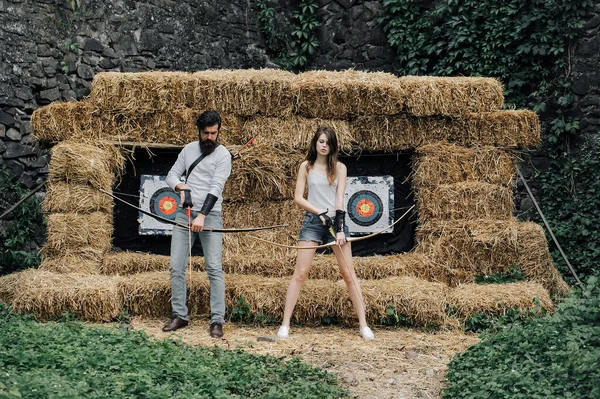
x=332, y=157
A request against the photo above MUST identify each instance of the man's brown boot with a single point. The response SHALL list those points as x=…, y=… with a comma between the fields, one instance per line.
x=216, y=330
x=175, y=324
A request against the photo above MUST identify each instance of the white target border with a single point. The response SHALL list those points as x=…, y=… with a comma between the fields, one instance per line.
x=149, y=184
x=383, y=187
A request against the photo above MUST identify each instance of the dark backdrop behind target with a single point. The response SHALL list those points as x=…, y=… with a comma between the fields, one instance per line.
x=397, y=165
x=127, y=237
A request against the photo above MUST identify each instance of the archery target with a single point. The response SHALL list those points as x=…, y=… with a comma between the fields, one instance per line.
x=369, y=202
x=157, y=198
x=164, y=203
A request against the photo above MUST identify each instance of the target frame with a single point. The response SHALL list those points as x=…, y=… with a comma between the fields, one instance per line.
x=153, y=188
x=376, y=211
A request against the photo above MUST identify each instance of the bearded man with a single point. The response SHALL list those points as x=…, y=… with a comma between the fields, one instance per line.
x=206, y=165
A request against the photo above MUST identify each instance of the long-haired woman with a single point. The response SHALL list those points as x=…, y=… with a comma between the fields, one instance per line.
x=323, y=223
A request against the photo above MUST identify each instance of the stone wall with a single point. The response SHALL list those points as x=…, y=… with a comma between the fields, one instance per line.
x=584, y=74
x=51, y=49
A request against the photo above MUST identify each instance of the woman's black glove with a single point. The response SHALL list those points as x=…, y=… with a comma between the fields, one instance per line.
x=340, y=220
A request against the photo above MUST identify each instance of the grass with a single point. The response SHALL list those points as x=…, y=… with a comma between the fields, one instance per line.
x=72, y=360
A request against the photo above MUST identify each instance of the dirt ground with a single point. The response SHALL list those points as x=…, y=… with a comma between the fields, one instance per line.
x=399, y=363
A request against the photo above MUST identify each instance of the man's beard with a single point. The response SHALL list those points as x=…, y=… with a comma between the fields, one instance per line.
x=207, y=146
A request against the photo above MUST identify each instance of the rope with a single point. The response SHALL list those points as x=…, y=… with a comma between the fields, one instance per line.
x=537, y=207
x=25, y=198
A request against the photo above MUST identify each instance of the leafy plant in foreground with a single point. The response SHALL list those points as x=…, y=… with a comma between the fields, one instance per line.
x=71, y=360
x=552, y=357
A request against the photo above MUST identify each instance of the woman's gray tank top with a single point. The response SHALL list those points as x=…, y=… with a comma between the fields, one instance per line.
x=320, y=193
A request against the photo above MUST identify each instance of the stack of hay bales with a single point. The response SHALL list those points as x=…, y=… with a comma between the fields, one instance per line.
x=465, y=208
x=462, y=180
x=79, y=216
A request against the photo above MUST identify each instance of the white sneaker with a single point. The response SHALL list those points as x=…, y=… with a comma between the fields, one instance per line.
x=367, y=333
x=284, y=332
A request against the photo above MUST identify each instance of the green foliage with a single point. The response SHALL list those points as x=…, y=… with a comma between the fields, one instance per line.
x=20, y=228
x=521, y=42
x=71, y=360
x=512, y=275
x=241, y=312
x=295, y=43
x=481, y=322
x=525, y=45
x=275, y=39
x=393, y=318
x=552, y=357
x=571, y=197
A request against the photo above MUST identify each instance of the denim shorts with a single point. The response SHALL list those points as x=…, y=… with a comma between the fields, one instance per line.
x=312, y=229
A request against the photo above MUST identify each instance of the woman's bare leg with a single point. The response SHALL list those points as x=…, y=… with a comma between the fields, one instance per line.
x=343, y=255
x=303, y=262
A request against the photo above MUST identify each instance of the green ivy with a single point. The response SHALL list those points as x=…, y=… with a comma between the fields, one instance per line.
x=512, y=275
x=241, y=312
x=20, y=227
x=521, y=42
x=72, y=360
x=524, y=44
x=550, y=357
x=571, y=199
x=295, y=43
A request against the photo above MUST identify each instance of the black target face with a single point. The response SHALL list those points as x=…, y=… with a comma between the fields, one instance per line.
x=365, y=208
x=164, y=203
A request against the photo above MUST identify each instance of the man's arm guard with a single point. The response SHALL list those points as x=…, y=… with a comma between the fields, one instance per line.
x=209, y=203
x=340, y=220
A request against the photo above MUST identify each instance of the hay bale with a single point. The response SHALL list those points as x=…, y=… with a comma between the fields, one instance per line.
x=509, y=128
x=263, y=213
x=408, y=265
x=85, y=121
x=400, y=132
x=486, y=247
x=126, y=263
x=75, y=231
x=142, y=92
x=390, y=133
x=84, y=163
x=264, y=172
x=293, y=133
x=535, y=260
x=10, y=284
x=444, y=163
x=346, y=94
x=420, y=302
x=249, y=262
x=244, y=255
x=63, y=121
x=432, y=95
x=245, y=92
x=494, y=299
x=466, y=200
x=149, y=294
x=48, y=295
x=63, y=197
x=82, y=260
x=177, y=127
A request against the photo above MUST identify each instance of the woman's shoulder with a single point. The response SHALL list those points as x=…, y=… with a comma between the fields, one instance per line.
x=303, y=165
x=340, y=166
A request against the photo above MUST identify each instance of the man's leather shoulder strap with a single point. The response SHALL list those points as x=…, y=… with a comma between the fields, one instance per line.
x=196, y=162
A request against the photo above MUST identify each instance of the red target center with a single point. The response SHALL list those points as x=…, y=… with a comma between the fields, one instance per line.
x=365, y=208
x=167, y=205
